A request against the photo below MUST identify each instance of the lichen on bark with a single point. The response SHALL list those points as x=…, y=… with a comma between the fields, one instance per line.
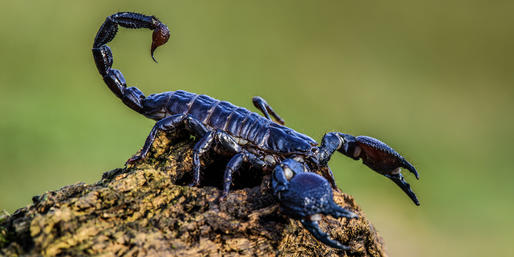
x=147, y=209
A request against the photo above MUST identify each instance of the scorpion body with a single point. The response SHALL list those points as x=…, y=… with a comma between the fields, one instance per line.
x=242, y=124
x=248, y=137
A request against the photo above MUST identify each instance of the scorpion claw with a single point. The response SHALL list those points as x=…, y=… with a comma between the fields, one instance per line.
x=398, y=179
x=338, y=211
x=380, y=158
x=312, y=226
x=160, y=36
x=305, y=196
x=411, y=168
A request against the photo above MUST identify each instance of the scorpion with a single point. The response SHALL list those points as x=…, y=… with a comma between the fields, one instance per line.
x=248, y=137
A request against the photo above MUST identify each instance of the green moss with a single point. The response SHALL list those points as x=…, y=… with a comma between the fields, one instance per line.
x=3, y=230
x=141, y=209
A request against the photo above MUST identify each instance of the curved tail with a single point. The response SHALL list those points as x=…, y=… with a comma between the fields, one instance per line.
x=102, y=54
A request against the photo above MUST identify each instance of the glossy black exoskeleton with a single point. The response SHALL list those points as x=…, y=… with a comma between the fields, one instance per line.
x=249, y=137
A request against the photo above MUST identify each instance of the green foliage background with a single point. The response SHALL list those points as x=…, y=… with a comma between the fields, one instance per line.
x=434, y=79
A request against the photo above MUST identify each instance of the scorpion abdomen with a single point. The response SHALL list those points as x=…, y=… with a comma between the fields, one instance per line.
x=180, y=102
x=236, y=121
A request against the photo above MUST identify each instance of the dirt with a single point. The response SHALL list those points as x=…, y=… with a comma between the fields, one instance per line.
x=147, y=209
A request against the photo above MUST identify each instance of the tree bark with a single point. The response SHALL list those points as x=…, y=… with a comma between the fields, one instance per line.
x=147, y=209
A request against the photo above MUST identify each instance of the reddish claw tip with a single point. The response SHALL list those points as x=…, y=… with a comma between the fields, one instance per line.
x=160, y=36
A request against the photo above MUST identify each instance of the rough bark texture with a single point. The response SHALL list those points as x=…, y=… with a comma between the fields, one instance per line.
x=147, y=209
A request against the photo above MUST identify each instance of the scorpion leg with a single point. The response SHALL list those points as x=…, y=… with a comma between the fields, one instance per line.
x=102, y=54
x=169, y=124
x=199, y=149
x=264, y=107
x=374, y=153
x=204, y=145
x=228, y=143
x=234, y=164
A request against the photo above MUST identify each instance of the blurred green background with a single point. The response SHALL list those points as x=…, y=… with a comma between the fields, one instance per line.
x=433, y=79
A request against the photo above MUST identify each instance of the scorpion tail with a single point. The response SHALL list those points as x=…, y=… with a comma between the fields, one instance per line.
x=160, y=36
x=132, y=20
x=114, y=79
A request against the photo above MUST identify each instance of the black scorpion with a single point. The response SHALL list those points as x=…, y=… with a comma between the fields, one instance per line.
x=249, y=137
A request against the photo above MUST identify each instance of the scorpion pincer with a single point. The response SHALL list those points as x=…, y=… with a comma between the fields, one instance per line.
x=249, y=137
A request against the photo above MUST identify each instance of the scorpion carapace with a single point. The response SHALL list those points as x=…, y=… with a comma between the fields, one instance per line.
x=249, y=137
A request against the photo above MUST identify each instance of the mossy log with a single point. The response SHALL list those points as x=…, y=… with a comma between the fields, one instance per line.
x=147, y=209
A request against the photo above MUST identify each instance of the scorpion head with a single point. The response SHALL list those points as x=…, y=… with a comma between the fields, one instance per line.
x=305, y=195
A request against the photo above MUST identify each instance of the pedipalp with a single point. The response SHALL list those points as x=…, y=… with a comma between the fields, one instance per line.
x=248, y=137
